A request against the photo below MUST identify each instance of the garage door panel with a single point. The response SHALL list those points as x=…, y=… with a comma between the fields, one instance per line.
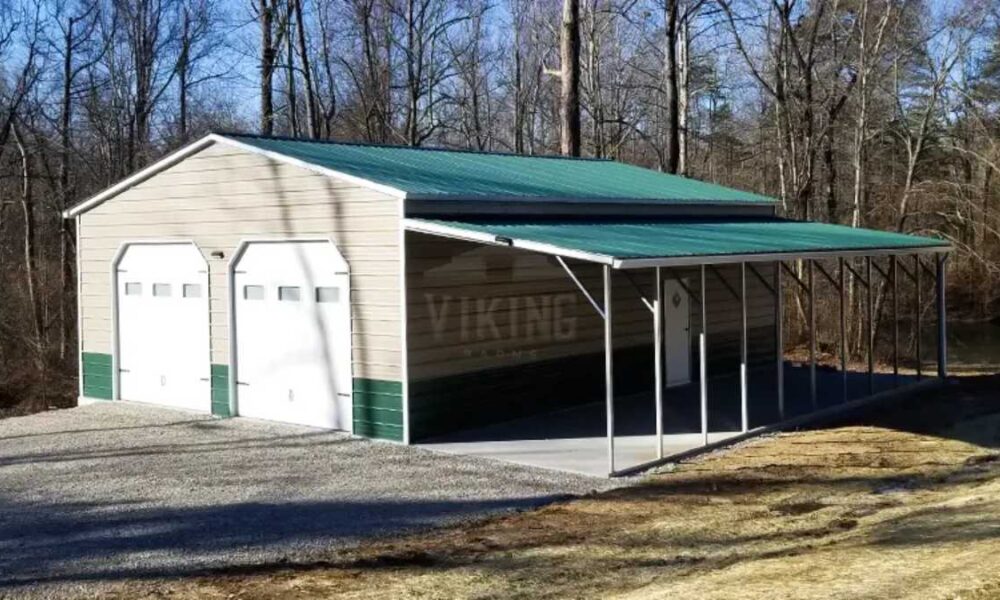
x=293, y=334
x=163, y=326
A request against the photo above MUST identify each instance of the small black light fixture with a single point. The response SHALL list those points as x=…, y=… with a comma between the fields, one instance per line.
x=218, y=254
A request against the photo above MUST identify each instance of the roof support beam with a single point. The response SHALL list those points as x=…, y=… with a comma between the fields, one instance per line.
x=861, y=278
x=638, y=290
x=794, y=276
x=583, y=288
x=826, y=274
x=725, y=282
x=767, y=284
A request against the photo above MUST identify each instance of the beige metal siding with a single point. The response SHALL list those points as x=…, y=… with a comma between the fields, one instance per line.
x=222, y=196
x=472, y=307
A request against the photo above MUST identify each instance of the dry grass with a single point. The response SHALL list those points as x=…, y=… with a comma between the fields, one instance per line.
x=903, y=504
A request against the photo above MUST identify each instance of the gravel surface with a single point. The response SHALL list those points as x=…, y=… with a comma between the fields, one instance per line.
x=116, y=491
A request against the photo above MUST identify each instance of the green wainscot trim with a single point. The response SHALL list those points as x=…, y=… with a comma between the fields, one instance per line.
x=378, y=409
x=96, y=375
x=220, y=391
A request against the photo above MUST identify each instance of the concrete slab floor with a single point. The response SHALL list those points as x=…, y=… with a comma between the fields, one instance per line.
x=586, y=456
x=574, y=439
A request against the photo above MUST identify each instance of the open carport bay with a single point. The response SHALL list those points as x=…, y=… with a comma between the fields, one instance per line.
x=117, y=491
x=575, y=439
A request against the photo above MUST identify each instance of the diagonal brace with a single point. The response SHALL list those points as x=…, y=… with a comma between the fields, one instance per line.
x=725, y=282
x=583, y=289
x=794, y=276
x=764, y=282
x=638, y=290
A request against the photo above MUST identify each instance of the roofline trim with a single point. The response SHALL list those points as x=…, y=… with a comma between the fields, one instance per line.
x=458, y=233
x=194, y=147
x=575, y=200
x=715, y=259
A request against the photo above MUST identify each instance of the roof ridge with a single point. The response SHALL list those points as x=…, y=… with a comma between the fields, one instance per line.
x=283, y=138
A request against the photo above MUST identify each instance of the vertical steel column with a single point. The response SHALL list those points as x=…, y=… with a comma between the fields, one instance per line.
x=744, y=403
x=871, y=325
x=942, y=315
x=609, y=386
x=895, y=320
x=920, y=362
x=658, y=358
x=810, y=269
x=703, y=360
x=779, y=341
x=843, y=325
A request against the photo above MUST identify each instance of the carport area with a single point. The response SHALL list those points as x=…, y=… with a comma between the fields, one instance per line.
x=574, y=439
x=120, y=491
x=680, y=262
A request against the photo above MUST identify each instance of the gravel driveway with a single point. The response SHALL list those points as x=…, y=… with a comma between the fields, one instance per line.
x=115, y=491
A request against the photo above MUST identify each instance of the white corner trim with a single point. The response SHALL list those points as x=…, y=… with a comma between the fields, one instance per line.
x=196, y=146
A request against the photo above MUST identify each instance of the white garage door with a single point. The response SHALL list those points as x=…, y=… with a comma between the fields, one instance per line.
x=293, y=334
x=163, y=343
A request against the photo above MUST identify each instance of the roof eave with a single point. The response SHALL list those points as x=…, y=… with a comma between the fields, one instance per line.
x=687, y=261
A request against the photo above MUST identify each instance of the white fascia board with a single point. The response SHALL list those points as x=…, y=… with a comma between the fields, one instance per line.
x=138, y=177
x=458, y=233
x=687, y=261
x=214, y=138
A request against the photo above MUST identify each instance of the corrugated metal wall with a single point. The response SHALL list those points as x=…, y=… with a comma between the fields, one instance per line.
x=494, y=333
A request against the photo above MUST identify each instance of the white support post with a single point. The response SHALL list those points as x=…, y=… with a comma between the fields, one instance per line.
x=843, y=326
x=779, y=341
x=942, y=316
x=812, y=333
x=609, y=386
x=703, y=361
x=917, y=267
x=744, y=402
x=871, y=324
x=658, y=359
x=894, y=265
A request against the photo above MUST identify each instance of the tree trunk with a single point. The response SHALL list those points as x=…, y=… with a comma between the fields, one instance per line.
x=312, y=116
x=570, y=99
x=293, y=103
x=684, y=66
x=672, y=142
x=182, y=76
x=267, y=56
x=30, y=250
x=65, y=225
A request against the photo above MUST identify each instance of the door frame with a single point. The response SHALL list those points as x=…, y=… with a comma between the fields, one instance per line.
x=666, y=355
x=234, y=259
x=115, y=325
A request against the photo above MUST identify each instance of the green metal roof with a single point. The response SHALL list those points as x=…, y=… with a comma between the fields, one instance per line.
x=629, y=240
x=466, y=175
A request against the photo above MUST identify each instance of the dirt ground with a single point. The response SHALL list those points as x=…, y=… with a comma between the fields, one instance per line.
x=899, y=503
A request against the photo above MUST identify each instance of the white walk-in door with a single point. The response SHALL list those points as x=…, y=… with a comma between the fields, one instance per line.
x=163, y=338
x=293, y=334
x=677, y=337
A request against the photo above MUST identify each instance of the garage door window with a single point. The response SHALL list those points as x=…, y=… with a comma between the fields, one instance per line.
x=192, y=290
x=253, y=292
x=327, y=294
x=287, y=293
x=161, y=290
x=133, y=288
